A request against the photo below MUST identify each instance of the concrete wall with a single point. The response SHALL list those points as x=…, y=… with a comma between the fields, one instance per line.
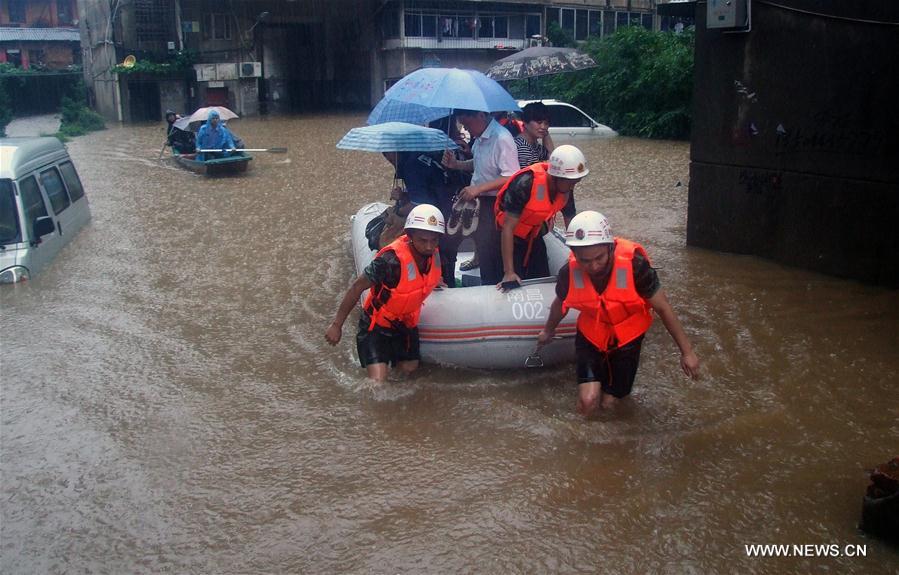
x=98, y=55
x=794, y=149
x=174, y=95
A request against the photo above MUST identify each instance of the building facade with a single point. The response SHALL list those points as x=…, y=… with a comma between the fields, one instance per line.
x=257, y=56
x=39, y=34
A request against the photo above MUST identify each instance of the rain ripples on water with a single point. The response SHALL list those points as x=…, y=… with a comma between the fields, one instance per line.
x=169, y=402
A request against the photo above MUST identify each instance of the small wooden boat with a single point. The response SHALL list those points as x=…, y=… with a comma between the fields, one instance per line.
x=233, y=164
x=479, y=326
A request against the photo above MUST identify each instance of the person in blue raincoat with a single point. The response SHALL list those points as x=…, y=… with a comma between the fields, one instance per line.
x=213, y=135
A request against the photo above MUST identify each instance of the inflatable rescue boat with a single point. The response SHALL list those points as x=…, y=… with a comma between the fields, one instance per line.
x=479, y=326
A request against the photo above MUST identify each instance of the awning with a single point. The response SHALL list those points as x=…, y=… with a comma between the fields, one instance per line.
x=8, y=34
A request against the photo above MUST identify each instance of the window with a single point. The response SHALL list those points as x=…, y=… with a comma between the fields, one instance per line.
x=580, y=25
x=391, y=24
x=32, y=201
x=55, y=189
x=150, y=18
x=14, y=58
x=216, y=27
x=76, y=191
x=494, y=27
x=429, y=25
x=552, y=15
x=608, y=23
x=17, y=11
x=568, y=20
x=647, y=21
x=467, y=25
x=621, y=19
x=595, y=23
x=567, y=117
x=64, y=12
x=9, y=220
x=448, y=25
x=412, y=24
x=420, y=25
x=532, y=25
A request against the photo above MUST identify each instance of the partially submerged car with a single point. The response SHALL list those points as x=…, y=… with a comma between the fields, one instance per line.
x=42, y=205
x=567, y=122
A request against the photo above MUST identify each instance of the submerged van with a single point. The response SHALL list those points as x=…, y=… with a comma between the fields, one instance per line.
x=42, y=205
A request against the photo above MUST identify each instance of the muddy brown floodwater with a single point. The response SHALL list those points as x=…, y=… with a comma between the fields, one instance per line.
x=169, y=403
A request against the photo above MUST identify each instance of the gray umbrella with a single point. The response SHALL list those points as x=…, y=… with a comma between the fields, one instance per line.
x=539, y=61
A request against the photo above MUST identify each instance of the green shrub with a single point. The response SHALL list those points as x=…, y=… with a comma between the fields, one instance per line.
x=559, y=37
x=5, y=108
x=642, y=86
x=5, y=100
x=77, y=118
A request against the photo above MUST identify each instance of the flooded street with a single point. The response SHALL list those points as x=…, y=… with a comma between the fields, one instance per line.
x=169, y=403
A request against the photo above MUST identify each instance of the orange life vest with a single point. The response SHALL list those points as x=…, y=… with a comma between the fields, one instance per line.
x=507, y=121
x=539, y=209
x=617, y=316
x=406, y=299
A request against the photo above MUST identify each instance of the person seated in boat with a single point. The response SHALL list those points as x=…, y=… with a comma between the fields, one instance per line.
x=213, y=135
x=613, y=285
x=399, y=279
x=181, y=141
x=526, y=207
x=494, y=160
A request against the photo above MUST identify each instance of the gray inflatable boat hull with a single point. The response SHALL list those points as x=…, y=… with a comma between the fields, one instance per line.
x=479, y=326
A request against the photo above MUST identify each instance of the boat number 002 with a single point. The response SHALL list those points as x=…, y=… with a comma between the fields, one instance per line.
x=527, y=310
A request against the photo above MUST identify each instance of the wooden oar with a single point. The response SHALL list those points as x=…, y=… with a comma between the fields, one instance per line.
x=161, y=151
x=269, y=150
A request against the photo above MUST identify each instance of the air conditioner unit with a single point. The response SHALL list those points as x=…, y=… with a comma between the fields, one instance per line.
x=250, y=69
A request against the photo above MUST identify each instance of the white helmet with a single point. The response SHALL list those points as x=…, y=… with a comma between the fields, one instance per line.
x=588, y=229
x=425, y=217
x=567, y=162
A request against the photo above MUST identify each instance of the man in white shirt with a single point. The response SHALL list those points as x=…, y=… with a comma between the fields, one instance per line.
x=495, y=159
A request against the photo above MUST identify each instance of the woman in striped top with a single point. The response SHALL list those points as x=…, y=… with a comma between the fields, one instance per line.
x=530, y=148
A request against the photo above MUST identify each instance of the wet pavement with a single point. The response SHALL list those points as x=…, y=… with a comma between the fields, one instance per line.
x=169, y=403
x=31, y=126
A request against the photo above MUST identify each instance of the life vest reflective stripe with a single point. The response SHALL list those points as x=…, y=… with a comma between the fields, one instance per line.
x=619, y=315
x=539, y=208
x=405, y=300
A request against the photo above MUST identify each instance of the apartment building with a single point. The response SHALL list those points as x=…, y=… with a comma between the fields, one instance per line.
x=39, y=34
x=257, y=56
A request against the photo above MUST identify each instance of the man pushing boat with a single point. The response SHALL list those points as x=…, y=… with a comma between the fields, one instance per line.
x=611, y=282
x=399, y=279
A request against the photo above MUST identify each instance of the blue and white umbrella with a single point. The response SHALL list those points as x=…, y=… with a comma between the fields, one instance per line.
x=396, y=137
x=441, y=90
x=397, y=111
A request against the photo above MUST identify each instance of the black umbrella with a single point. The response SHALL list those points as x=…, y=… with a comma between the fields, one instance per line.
x=539, y=61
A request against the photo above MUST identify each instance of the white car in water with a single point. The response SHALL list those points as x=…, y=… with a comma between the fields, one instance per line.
x=567, y=122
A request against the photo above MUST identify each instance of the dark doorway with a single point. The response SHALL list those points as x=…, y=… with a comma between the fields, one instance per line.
x=217, y=97
x=144, y=98
x=313, y=72
x=298, y=62
x=14, y=57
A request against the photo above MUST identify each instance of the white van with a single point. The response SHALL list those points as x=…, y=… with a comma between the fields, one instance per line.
x=567, y=122
x=42, y=205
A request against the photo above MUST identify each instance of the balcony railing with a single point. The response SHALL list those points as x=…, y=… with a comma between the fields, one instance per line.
x=432, y=43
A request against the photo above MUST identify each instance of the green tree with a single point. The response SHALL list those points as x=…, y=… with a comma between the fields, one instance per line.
x=559, y=37
x=642, y=85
